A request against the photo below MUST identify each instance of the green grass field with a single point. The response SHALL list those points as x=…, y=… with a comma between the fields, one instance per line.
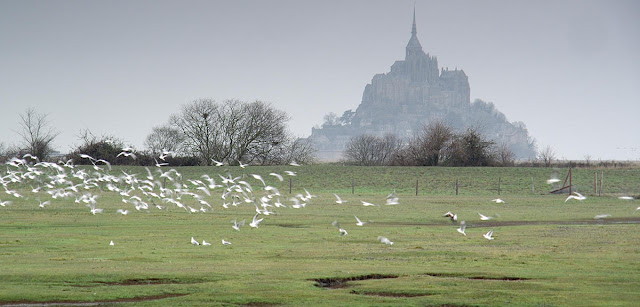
x=545, y=252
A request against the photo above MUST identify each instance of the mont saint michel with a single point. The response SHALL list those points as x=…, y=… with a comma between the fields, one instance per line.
x=415, y=92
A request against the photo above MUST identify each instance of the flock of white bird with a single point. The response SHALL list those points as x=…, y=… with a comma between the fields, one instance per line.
x=147, y=191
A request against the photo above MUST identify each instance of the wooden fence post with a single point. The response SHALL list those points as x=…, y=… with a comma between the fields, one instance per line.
x=353, y=186
x=416, y=187
x=290, y=185
x=499, y=184
x=456, y=186
x=533, y=186
x=601, y=183
x=595, y=182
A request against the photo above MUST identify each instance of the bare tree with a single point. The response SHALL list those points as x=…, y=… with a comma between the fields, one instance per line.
x=372, y=150
x=196, y=121
x=547, y=155
x=233, y=131
x=470, y=148
x=37, y=134
x=165, y=138
x=587, y=160
x=504, y=155
x=430, y=146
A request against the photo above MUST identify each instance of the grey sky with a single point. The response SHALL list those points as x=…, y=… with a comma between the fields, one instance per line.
x=570, y=70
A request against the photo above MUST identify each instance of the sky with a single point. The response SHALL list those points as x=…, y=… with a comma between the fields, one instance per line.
x=570, y=70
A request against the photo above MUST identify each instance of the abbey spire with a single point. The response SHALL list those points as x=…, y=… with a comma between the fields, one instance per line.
x=414, y=47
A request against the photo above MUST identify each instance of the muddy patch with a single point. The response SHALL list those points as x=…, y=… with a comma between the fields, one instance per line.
x=91, y=303
x=342, y=282
x=476, y=277
x=390, y=293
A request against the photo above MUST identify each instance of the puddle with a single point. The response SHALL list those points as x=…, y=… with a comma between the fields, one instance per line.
x=342, y=282
x=481, y=277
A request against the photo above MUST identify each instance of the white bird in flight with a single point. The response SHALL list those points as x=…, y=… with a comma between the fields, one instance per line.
x=577, y=196
x=217, y=163
x=123, y=212
x=385, y=240
x=368, y=204
x=463, y=226
x=111, y=243
x=225, y=242
x=451, y=215
x=339, y=200
x=601, y=216
x=498, y=201
x=489, y=235
x=256, y=221
x=237, y=225
x=626, y=197
x=277, y=176
x=205, y=242
x=360, y=223
x=340, y=229
x=484, y=217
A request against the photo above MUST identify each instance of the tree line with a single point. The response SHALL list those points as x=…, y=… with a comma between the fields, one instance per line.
x=436, y=144
x=203, y=132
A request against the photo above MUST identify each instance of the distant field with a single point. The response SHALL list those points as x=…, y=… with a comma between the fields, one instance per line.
x=545, y=252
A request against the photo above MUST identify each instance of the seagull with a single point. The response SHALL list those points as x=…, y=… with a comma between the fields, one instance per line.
x=258, y=177
x=123, y=212
x=360, y=223
x=256, y=221
x=626, y=197
x=277, y=176
x=4, y=203
x=297, y=204
x=42, y=204
x=499, y=201
x=553, y=180
x=127, y=154
x=225, y=242
x=577, y=196
x=342, y=231
x=111, y=243
x=290, y=173
x=242, y=165
x=217, y=163
x=194, y=242
x=636, y=210
x=158, y=164
x=367, y=204
x=385, y=240
x=489, y=235
x=293, y=163
x=205, y=242
x=165, y=154
x=451, y=215
x=237, y=225
x=601, y=216
x=484, y=217
x=463, y=226
x=339, y=200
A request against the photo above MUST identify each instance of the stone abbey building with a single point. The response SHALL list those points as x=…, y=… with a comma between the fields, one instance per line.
x=413, y=93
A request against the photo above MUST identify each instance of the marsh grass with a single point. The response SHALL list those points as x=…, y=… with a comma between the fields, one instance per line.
x=546, y=252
